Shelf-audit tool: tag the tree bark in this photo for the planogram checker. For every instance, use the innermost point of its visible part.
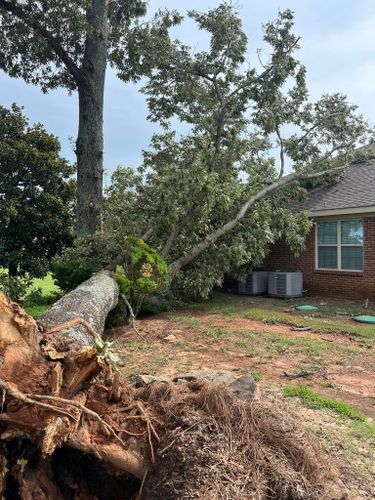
(89, 148)
(91, 301)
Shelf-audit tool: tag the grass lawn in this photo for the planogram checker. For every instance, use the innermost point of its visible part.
(48, 288)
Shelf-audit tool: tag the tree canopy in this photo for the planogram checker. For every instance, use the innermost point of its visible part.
(214, 199)
(36, 195)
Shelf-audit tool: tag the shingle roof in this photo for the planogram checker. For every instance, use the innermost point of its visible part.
(355, 190)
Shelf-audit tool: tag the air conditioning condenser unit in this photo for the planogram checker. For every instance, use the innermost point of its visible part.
(285, 284)
(255, 284)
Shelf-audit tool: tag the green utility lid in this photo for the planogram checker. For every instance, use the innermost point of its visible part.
(306, 308)
(365, 319)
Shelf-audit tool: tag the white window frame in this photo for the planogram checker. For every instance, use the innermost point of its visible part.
(339, 245)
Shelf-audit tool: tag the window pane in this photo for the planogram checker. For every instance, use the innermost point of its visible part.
(351, 258)
(327, 257)
(352, 232)
(327, 233)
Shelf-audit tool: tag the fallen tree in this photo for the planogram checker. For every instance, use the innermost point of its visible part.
(214, 198)
(70, 427)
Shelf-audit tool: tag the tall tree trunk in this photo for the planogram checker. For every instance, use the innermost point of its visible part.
(89, 148)
(89, 162)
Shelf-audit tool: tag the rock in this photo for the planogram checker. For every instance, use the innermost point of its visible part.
(170, 338)
(216, 377)
(142, 380)
(244, 387)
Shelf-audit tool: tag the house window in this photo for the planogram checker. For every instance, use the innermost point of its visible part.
(339, 245)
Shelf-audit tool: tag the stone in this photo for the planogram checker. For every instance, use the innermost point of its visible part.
(142, 380)
(224, 377)
(170, 338)
(244, 387)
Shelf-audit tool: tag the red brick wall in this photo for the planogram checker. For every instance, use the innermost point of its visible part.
(352, 285)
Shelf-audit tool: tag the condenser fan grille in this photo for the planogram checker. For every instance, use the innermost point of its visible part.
(281, 284)
(285, 284)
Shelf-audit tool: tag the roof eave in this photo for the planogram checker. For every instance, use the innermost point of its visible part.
(342, 211)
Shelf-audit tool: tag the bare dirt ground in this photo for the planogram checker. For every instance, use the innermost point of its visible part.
(334, 357)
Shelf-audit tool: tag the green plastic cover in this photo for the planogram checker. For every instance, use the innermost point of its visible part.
(365, 319)
(306, 308)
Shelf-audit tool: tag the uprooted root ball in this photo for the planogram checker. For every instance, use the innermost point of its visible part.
(219, 447)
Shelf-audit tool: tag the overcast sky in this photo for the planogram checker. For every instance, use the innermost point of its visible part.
(337, 47)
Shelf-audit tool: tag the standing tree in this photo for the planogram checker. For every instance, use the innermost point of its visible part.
(215, 199)
(68, 43)
(36, 195)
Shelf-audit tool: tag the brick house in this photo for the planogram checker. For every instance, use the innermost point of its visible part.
(339, 259)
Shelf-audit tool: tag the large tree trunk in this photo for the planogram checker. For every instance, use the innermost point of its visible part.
(91, 301)
(89, 148)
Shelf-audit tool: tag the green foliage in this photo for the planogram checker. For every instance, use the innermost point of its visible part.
(47, 285)
(70, 273)
(32, 30)
(36, 196)
(245, 129)
(118, 315)
(106, 352)
(35, 297)
(15, 287)
(27, 291)
(143, 273)
(86, 256)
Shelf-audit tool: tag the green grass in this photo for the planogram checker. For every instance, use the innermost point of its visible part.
(49, 289)
(216, 332)
(149, 365)
(220, 303)
(228, 303)
(267, 344)
(271, 311)
(257, 376)
(185, 320)
(319, 325)
(311, 399)
(36, 311)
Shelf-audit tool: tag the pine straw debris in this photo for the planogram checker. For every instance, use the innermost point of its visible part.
(219, 447)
